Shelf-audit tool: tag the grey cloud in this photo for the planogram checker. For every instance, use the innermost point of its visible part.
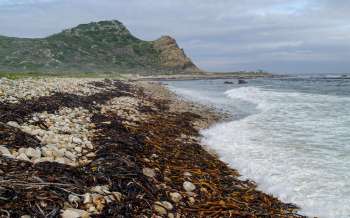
(276, 35)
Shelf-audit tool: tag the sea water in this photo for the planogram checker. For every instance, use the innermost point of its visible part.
(289, 135)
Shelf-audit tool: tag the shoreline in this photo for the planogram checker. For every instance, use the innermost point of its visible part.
(207, 76)
(139, 154)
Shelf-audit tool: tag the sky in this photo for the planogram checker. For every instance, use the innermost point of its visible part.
(279, 36)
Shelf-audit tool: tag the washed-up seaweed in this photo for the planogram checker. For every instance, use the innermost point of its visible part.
(15, 138)
(165, 141)
(19, 112)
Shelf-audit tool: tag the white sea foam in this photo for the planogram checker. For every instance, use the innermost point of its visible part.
(296, 147)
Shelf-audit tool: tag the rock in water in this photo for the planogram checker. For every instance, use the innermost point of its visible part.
(242, 81)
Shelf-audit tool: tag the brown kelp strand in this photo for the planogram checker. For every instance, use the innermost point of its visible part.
(124, 153)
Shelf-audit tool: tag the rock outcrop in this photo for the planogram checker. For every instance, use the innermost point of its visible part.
(172, 56)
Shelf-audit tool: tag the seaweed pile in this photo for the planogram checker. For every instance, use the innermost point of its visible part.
(146, 162)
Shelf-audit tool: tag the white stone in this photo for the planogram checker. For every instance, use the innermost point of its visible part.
(148, 172)
(78, 149)
(33, 153)
(22, 151)
(23, 157)
(91, 154)
(189, 186)
(87, 198)
(5, 151)
(101, 189)
(60, 160)
(175, 197)
(13, 124)
(73, 198)
(89, 145)
(167, 205)
(47, 152)
(187, 174)
(77, 140)
(70, 155)
(74, 213)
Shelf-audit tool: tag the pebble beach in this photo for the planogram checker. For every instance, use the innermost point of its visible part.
(109, 148)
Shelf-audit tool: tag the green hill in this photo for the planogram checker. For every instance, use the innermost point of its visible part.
(105, 46)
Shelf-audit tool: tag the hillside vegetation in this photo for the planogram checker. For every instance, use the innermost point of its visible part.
(102, 47)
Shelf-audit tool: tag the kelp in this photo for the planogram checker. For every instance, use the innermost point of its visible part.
(166, 142)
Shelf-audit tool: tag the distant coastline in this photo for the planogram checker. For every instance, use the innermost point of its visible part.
(204, 76)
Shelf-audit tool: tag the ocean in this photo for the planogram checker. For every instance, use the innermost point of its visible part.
(290, 135)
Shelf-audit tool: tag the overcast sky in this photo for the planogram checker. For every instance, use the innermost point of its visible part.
(281, 36)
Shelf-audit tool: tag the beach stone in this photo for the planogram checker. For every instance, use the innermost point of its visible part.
(148, 172)
(4, 151)
(33, 153)
(25, 216)
(175, 197)
(22, 151)
(60, 160)
(13, 124)
(191, 200)
(87, 198)
(91, 154)
(160, 209)
(171, 215)
(47, 152)
(78, 149)
(76, 140)
(187, 174)
(73, 198)
(74, 213)
(89, 145)
(70, 155)
(23, 157)
(167, 205)
(189, 186)
(101, 189)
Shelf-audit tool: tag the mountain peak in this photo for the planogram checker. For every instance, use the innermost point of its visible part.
(112, 26)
